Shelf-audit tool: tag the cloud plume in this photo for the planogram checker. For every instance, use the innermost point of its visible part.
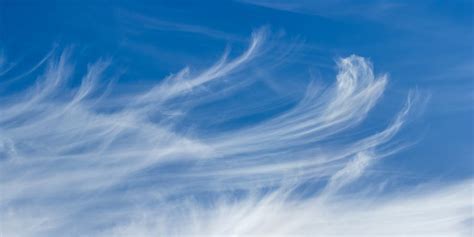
(71, 164)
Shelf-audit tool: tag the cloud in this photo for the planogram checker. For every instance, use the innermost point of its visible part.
(374, 10)
(427, 212)
(72, 165)
(151, 23)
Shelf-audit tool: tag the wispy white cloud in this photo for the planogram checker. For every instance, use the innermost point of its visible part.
(181, 83)
(151, 23)
(67, 165)
(4, 65)
(426, 212)
(333, 9)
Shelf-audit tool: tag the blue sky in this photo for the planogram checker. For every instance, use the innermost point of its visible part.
(237, 112)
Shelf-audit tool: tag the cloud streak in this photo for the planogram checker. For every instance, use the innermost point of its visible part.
(70, 165)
